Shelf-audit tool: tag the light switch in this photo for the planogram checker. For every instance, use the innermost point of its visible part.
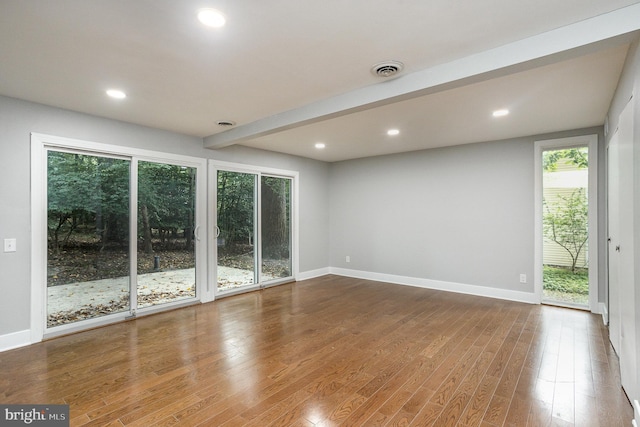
(9, 245)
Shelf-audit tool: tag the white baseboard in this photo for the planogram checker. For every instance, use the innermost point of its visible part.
(312, 274)
(604, 312)
(460, 288)
(15, 340)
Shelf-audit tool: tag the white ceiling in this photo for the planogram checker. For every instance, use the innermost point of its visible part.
(295, 72)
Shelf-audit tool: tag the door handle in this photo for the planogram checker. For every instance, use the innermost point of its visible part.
(217, 231)
(618, 248)
(195, 233)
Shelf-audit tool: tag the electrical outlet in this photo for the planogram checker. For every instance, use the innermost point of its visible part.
(9, 245)
(523, 278)
(347, 259)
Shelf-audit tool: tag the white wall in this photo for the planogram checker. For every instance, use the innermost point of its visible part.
(453, 216)
(19, 118)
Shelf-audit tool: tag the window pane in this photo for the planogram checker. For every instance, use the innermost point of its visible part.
(88, 237)
(166, 247)
(565, 226)
(236, 214)
(276, 227)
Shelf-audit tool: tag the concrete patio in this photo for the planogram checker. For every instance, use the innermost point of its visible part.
(172, 284)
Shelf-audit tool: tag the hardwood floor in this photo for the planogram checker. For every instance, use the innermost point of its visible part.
(332, 351)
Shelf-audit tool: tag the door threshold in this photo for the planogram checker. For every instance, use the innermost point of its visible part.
(566, 305)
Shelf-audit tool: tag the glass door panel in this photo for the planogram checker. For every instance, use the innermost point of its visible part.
(166, 246)
(565, 246)
(236, 226)
(276, 227)
(88, 237)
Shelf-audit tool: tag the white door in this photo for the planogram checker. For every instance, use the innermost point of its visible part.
(621, 289)
(613, 237)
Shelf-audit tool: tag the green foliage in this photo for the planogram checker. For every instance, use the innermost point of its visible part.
(236, 200)
(86, 192)
(276, 199)
(566, 223)
(576, 156)
(91, 193)
(70, 182)
(166, 195)
(563, 280)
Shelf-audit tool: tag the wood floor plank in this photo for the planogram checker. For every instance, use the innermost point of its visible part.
(497, 410)
(203, 410)
(477, 406)
(456, 406)
(521, 402)
(539, 413)
(331, 351)
(162, 413)
(586, 412)
(427, 415)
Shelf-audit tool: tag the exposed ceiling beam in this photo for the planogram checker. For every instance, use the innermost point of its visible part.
(555, 45)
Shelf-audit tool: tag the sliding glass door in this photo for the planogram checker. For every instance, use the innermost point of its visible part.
(116, 232)
(166, 249)
(276, 227)
(253, 229)
(88, 258)
(236, 230)
(121, 233)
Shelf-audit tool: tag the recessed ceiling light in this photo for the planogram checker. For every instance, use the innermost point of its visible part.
(320, 145)
(500, 113)
(211, 18)
(393, 132)
(115, 93)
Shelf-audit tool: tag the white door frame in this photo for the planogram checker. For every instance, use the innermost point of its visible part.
(591, 141)
(259, 171)
(40, 144)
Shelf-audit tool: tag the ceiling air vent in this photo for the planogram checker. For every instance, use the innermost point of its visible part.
(387, 69)
(225, 123)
